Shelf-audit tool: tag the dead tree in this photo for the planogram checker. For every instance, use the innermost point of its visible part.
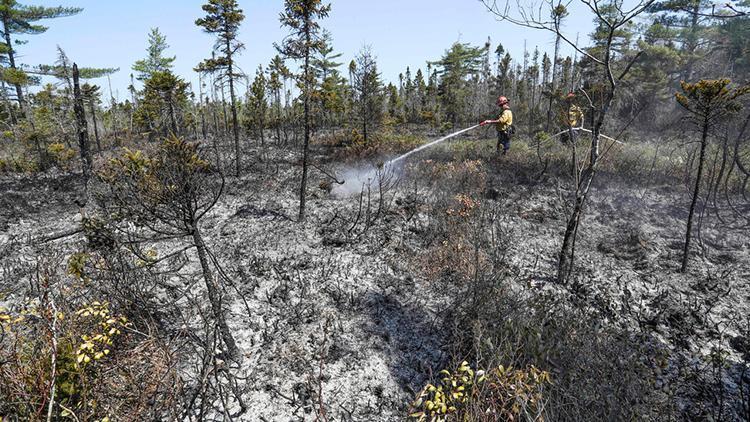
(81, 125)
(540, 15)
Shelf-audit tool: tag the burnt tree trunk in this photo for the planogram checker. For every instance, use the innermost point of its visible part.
(554, 77)
(113, 111)
(696, 193)
(278, 118)
(81, 125)
(567, 252)
(306, 147)
(201, 108)
(235, 124)
(214, 296)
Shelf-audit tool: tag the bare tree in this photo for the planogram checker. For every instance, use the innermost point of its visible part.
(612, 16)
(81, 124)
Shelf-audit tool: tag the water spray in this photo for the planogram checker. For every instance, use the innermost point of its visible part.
(425, 146)
(356, 179)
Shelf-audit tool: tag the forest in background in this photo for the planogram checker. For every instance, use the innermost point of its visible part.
(138, 275)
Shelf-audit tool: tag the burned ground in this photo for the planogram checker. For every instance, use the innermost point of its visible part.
(354, 310)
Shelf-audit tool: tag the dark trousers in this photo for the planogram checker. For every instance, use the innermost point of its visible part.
(503, 138)
(565, 137)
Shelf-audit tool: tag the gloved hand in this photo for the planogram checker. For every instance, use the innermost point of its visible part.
(486, 122)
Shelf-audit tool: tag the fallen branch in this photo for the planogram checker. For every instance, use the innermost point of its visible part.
(58, 235)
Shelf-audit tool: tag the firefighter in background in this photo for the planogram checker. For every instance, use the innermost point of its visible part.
(572, 118)
(504, 124)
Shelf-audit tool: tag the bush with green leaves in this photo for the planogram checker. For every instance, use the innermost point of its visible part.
(500, 393)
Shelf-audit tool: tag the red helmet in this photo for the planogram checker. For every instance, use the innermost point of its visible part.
(502, 100)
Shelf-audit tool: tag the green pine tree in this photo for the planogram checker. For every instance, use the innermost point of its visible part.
(257, 105)
(223, 19)
(458, 63)
(368, 93)
(155, 61)
(20, 20)
(306, 39)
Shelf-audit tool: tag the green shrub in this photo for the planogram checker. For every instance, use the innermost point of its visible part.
(497, 394)
(18, 165)
(60, 154)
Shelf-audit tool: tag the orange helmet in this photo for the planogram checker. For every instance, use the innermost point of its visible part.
(502, 100)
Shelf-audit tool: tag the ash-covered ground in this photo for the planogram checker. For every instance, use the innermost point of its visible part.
(339, 311)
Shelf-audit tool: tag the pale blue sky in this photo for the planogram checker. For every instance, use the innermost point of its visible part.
(113, 33)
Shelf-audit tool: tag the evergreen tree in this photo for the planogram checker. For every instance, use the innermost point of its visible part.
(408, 96)
(690, 21)
(330, 91)
(19, 19)
(532, 74)
(155, 61)
(420, 95)
(431, 96)
(303, 43)
(656, 74)
(734, 42)
(458, 63)
(278, 74)
(504, 67)
(394, 104)
(368, 93)
(558, 14)
(257, 105)
(707, 103)
(324, 63)
(165, 96)
(92, 96)
(223, 19)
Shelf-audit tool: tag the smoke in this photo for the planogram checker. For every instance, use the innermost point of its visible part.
(358, 179)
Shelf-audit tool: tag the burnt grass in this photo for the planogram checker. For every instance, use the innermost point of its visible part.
(345, 311)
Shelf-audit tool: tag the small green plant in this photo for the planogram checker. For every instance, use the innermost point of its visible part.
(98, 344)
(18, 165)
(435, 402)
(60, 154)
(446, 126)
(77, 265)
(502, 393)
(82, 338)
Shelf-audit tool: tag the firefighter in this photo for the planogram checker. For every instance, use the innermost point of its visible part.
(504, 124)
(572, 118)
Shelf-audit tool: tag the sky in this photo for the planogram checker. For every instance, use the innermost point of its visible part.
(112, 33)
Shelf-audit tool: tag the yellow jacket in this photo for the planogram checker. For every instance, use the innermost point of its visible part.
(575, 116)
(505, 120)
